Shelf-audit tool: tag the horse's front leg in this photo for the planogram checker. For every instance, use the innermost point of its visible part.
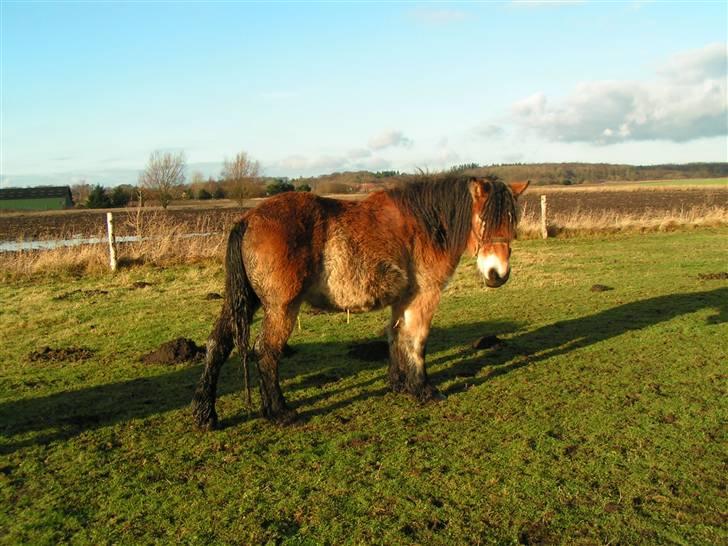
(408, 334)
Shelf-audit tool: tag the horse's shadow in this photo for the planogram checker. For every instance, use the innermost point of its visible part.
(66, 414)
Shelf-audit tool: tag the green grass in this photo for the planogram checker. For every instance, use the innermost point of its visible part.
(601, 420)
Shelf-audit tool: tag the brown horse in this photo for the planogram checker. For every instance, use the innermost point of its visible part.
(397, 247)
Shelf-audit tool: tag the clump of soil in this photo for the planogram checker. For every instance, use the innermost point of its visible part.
(81, 293)
(175, 351)
(66, 354)
(213, 296)
(722, 276)
(487, 342)
(140, 284)
(369, 351)
(600, 288)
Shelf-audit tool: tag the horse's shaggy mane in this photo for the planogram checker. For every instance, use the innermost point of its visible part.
(442, 203)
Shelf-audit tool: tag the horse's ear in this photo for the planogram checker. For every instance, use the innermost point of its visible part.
(519, 187)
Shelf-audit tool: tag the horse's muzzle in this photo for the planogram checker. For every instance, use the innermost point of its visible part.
(493, 280)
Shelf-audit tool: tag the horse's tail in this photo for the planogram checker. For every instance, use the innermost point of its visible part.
(240, 298)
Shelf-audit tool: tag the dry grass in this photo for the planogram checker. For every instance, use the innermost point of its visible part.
(584, 223)
(166, 242)
(162, 241)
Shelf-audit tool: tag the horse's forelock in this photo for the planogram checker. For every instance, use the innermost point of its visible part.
(499, 215)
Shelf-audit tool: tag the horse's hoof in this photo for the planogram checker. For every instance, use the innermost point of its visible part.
(397, 386)
(207, 425)
(430, 394)
(205, 420)
(284, 417)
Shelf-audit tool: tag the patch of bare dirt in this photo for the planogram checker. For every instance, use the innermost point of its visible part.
(213, 296)
(65, 354)
(175, 352)
(601, 288)
(369, 351)
(136, 285)
(722, 276)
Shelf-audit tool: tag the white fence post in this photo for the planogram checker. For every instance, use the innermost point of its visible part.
(112, 240)
(544, 223)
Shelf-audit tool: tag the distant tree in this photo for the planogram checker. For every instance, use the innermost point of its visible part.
(463, 167)
(219, 193)
(164, 174)
(241, 177)
(80, 192)
(204, 194)
(120, 196)
(279, 186)
(303, 187)
(98, 198)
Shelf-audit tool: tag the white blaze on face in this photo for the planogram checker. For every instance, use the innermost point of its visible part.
(491, 261)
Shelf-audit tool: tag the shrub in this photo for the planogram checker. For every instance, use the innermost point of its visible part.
(98, 198)
(279, 186)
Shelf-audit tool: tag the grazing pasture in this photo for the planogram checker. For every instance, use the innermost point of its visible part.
(597, 415)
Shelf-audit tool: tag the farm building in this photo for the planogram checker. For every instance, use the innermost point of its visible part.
(40, 198)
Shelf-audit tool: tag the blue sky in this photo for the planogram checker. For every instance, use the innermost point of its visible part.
(89, 90)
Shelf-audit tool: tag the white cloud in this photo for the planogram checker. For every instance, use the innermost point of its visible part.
(687, 102)
(697, 65)
(301, 164)
(389, 139)
(298, 165)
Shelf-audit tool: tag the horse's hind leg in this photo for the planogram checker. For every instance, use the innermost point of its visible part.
(277, 326)
(219, 345)
(407, 340)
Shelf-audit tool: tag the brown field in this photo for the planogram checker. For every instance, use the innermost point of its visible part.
(202, 216)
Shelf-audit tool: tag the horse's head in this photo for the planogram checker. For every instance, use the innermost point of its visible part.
(493, 226)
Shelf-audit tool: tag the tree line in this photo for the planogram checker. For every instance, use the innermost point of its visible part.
(164, 180)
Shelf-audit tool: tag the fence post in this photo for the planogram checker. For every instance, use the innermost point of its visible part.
(544, 223)
(112, 240)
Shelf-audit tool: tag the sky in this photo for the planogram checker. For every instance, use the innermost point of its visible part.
(90, 89)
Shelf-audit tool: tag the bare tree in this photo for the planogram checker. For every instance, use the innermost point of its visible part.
(80, 192)
(241, 177)
(164, 174)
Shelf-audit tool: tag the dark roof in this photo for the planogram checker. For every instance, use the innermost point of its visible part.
(35, 193)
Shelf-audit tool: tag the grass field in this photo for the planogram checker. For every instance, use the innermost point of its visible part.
(600, 419)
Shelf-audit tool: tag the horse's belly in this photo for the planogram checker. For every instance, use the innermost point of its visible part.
(358, 282)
